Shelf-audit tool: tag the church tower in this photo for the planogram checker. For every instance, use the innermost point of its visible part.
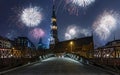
(53, 34)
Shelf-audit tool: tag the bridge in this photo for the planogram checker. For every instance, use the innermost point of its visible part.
(103, 60)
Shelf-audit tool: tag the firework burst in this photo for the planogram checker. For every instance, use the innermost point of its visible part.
(67, 36)
(82, 3)
(31, 16)
(71, 32)
(74, 31)
(105, 24)
(73, 6)
(37, 33)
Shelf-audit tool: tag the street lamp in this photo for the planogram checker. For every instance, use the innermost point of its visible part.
(71, 43)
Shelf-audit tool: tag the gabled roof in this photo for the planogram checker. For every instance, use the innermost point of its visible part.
(4, 38)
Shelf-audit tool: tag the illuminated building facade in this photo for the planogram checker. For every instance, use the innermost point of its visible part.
(110, 50)
(22, 43)
(54, 34)
(5, 43)
(5, 47)
(76, 45)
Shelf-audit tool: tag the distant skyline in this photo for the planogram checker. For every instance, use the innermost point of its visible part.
(71, 23)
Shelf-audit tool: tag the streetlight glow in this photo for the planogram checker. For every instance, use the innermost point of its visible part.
(71, 43)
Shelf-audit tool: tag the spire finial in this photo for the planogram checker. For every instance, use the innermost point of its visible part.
(54, 5)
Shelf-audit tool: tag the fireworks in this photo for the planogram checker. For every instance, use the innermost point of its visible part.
(71, 32)
(105, 24)
(73, 6)
(74, 31)
(37, 33)
(11, 34)
(67, 36)
(85, 32)
(31, 16)
(82, 3)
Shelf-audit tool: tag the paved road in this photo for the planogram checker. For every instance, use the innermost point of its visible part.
(58, 66)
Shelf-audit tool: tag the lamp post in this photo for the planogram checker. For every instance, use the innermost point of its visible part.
(71, 43)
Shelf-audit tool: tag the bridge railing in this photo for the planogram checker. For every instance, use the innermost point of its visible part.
(108, 55)
(10, 58)
(80, 58)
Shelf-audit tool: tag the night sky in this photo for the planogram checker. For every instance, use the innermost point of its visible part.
(82, 19)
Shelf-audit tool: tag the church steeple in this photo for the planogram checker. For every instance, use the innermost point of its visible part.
(53, 12)
(54, 34)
